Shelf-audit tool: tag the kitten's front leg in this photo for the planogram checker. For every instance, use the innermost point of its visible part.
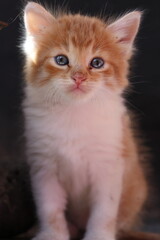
(106, 190)
(50, 202)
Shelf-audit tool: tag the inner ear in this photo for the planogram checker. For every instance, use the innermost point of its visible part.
(125, 29)
(37, 19)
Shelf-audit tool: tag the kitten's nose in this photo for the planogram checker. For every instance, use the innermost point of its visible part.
(79, 77)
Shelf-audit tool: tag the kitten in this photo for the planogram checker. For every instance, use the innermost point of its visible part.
(83, 157)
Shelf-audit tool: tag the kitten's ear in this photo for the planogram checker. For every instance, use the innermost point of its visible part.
(125, 30)
(36, 19)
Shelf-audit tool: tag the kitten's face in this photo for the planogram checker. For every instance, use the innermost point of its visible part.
(79, 61)
(76, 72)
(73, 57)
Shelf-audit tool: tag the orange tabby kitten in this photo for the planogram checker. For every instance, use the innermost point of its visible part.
(81, 150)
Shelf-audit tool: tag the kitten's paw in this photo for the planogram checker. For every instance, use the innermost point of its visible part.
(49, 235)
(99, 236)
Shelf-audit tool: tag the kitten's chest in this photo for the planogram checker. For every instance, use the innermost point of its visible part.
(75, 139)
(87, 128)
(78, 132)
(80, 136)
(85, 138)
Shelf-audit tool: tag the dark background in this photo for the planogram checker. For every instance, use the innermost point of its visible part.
(144, 97)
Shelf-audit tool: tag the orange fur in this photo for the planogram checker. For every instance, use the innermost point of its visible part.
(66, 32)
(135, 186)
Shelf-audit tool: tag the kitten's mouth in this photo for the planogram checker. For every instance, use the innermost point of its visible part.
(77, 88)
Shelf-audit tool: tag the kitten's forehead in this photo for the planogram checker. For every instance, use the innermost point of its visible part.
(82, 31)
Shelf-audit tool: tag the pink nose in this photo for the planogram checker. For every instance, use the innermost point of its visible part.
(79, 77)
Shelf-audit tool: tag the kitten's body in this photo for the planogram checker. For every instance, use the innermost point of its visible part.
(80, 143)
(81, 149)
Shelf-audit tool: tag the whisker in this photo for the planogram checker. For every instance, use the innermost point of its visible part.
(132, 83)
(137, 109)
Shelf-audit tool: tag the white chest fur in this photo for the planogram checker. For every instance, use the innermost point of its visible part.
(74, 137)
(75, 143)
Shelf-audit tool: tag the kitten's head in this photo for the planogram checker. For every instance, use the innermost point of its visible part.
(75, 57)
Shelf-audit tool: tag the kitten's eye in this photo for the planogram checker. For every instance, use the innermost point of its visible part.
(97, 63)
(61, 60)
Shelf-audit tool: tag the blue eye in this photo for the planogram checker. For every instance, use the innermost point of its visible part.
(61, 60)
(97, 63)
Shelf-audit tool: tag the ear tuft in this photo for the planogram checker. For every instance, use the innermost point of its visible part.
(125, 30)
(36, 18)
